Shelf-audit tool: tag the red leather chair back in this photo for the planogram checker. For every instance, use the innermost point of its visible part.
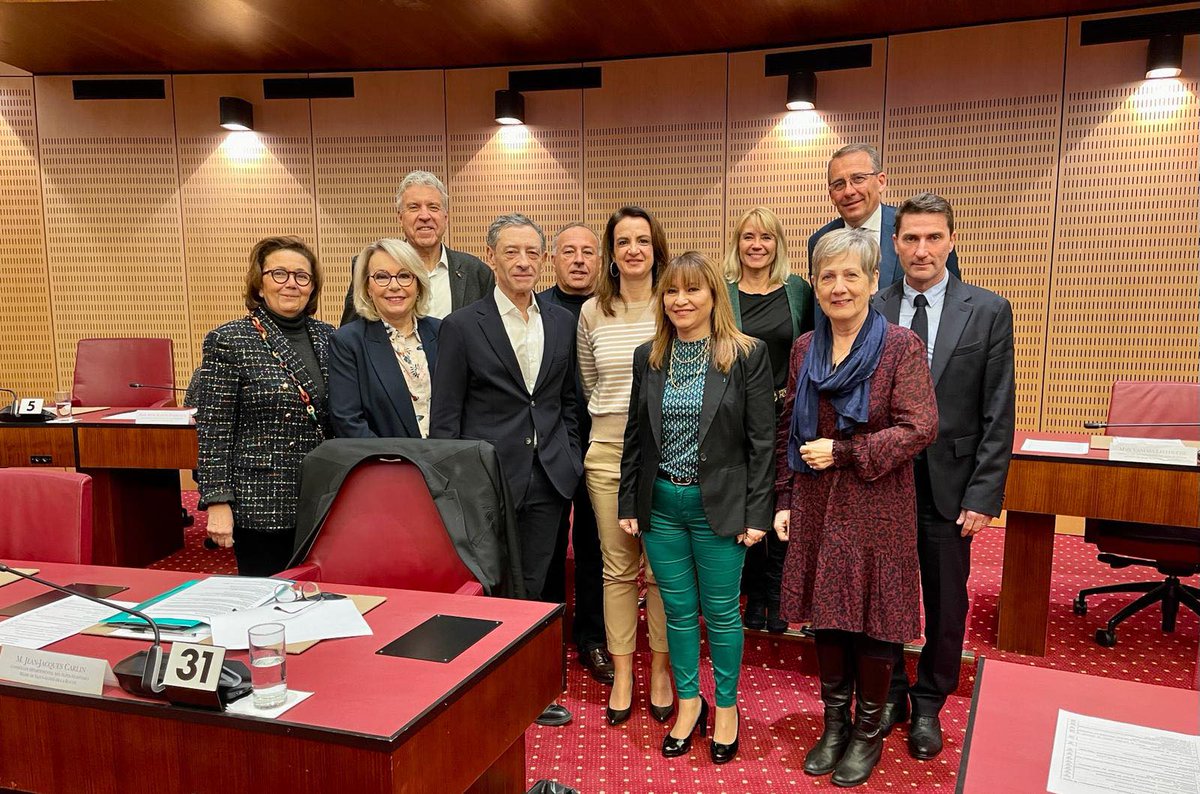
(1155, 402)
(104, 368)
(383, 530)
(45, 516)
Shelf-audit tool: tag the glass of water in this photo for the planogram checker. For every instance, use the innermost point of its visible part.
(268, 665)
(62, 404)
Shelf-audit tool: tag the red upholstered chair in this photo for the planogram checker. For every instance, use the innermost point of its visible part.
(104, 368)
(45, 516)
(383, 530)
(1173, 551)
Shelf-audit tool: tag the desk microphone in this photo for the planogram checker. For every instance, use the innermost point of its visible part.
(149, 659)
(1102, 425)
(9, 413)
(155, 386)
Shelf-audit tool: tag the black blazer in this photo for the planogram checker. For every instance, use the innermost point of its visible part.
(737, 443)
(973, 379)
(470, 280)
(368, 396)
(251, 424)
(479, 393)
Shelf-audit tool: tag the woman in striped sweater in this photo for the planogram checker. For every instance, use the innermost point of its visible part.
(611, 326)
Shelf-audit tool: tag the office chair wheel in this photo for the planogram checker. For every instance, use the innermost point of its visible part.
(1079, 607)
(1106, 638)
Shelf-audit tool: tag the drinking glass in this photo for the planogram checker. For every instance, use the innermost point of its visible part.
(62, 404)
(268, 665)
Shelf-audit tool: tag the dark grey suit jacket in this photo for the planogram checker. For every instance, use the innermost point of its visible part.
(368, 395)
(974, 382)
(470, 280)
(737, 443)
(479, 393)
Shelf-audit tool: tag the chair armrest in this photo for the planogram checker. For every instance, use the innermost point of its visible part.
(470, 588)
(304, 572)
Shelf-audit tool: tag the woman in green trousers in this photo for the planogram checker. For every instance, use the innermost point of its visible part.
(696, 477)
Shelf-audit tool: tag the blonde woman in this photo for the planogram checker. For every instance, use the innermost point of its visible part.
(611, 326)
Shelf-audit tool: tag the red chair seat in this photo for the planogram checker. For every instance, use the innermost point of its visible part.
(45, 516)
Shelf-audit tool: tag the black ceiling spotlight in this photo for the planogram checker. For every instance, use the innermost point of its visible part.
(510, 107)
(1164, 56)
(510, 102)
(236, 113)
(1164, 32)
(800, 68)
(802, 91)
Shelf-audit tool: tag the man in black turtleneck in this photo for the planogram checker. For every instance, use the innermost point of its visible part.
(576, 257)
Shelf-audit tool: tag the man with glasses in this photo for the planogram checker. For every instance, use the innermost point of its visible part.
(456, 278)
(856, 184)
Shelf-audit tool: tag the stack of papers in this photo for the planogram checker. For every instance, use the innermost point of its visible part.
(40, 627)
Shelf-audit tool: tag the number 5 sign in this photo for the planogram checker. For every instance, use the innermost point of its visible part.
(194, 666)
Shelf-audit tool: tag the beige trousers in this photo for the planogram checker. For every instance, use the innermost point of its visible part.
(622, 556)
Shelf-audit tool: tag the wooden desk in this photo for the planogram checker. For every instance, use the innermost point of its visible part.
(135, 478)
(1014, 711)
(1043, 485)
(375, 723)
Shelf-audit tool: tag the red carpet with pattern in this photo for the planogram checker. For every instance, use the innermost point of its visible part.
(781, 710)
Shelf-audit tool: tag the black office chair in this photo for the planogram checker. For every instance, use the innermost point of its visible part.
(1173, 551)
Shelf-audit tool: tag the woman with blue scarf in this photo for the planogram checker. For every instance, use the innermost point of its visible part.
(860, 407)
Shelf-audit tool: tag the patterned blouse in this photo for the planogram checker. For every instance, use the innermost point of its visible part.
(410, 354)
(683, 397)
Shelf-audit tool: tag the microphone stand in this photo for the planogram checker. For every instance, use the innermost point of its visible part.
(153, 656)
(1102, 425)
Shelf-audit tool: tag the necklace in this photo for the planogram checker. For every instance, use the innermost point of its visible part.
(304, 398)
(685, 361)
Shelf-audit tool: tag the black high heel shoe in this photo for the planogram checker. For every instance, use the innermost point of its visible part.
(724, 753)
(617, 716)
(673, 748)
(662, 713)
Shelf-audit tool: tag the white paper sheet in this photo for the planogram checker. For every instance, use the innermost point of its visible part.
(1057, 447)
(159, 416)
(320, 620)
(1098, 756)
(245, 705)
(56, 621)
(216, 595)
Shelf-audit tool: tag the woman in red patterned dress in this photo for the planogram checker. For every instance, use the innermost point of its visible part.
(860, 407)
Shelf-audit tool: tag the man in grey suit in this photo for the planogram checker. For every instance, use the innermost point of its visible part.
(856, 185)
(960, 477)
(456, 279)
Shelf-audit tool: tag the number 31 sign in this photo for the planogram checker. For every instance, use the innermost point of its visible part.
(194, 666)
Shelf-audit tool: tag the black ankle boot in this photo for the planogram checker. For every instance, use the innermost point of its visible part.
(866, 740)
(837, 687)
(756, 615)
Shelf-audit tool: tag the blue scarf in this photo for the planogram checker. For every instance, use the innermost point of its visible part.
(848, 387)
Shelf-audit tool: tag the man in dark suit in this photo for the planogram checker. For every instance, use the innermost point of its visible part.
(960, 477)
(575, 255)
(506, 374)
(856, 184)
(456, 278)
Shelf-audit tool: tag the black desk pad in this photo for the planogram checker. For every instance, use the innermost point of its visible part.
(97, 590)
(440, 639)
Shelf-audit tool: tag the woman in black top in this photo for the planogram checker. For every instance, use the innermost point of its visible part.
(772, 304)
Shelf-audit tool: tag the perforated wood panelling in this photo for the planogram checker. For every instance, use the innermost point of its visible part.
(995, 160)
(520, 169)
(780, 163)
(238, 188)
(676, 171)
(26, 353)
(114, 243)
(357, 177)
(1124, 302)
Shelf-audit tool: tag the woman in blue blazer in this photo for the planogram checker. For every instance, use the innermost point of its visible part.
(381, 365)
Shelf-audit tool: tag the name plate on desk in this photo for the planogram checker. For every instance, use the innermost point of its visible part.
(62, 671)
(1152, 450)
(176, 417)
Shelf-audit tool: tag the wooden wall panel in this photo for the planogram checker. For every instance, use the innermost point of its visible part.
(362, 148)
(26, 331)
(535, 169)
(113, 232)
(654, 135)
(1124, 300)
(973, 115)
(778, 158)
(236, 188)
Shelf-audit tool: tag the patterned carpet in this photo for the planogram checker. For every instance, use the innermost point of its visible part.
(781, 710)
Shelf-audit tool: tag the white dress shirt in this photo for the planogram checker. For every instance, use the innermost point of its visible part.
(936, 295)
(874, 221)
(440, 303)
(528, 337)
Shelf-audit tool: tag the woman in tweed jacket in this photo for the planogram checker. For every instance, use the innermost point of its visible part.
(261, 406)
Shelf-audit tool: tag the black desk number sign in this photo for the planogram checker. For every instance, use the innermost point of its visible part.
(194, 666)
